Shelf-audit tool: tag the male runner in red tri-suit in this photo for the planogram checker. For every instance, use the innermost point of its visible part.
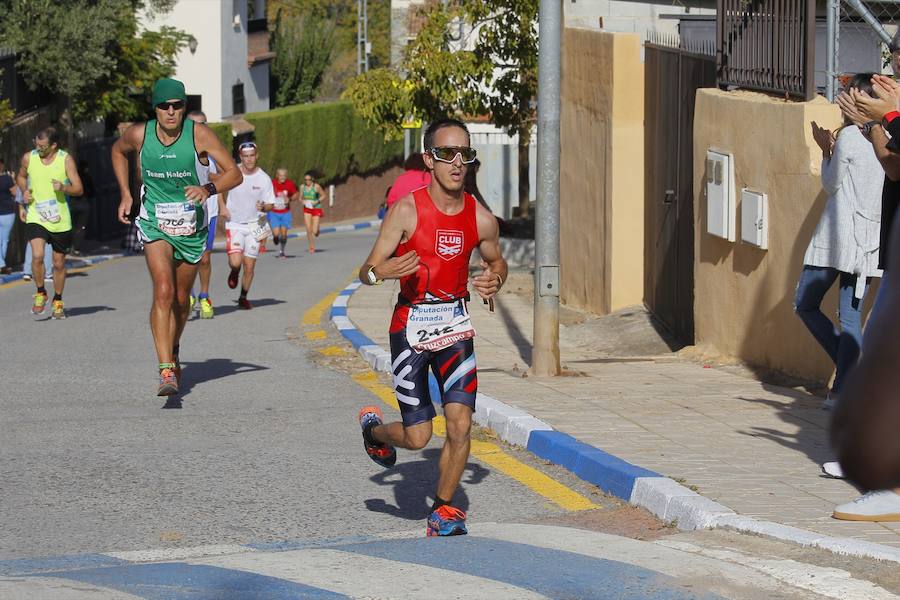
(426, 242)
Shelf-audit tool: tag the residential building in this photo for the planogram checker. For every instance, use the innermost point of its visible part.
(225, 68)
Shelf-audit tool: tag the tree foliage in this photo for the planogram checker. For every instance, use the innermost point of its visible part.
(6, 111)
(471, 58)
(303, 48)
(91, 52)
(342, 14)
(491, 70)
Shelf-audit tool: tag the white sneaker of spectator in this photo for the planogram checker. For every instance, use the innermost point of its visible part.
(833, 469)
(874, 506)
(831, 401)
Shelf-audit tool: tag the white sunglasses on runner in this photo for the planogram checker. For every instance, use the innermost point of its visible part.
(448, 154)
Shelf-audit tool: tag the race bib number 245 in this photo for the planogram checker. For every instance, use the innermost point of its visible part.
(435, 326)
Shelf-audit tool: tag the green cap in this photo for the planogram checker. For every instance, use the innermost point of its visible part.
(168, 89)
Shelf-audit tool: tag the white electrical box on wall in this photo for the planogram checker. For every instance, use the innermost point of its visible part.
(755, 218)
(720, 195)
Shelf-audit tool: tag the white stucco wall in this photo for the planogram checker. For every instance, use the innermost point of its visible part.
(220, 60)
(626, 16)
(233, 51)
(199, 71)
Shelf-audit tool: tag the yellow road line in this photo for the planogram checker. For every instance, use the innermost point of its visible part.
(313, 316)
(333, 351)
(493, 455)
(531, 478)
(369, 380)
(316, 335)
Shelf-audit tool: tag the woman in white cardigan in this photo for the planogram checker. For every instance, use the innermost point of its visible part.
(845, 245)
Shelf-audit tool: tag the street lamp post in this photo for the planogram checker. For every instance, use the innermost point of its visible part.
(546, 253)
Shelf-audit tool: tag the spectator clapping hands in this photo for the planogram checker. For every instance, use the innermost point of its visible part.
(885, 100)
(824, 138)
(850, 109)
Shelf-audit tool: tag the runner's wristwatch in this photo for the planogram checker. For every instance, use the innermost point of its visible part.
(370, 275)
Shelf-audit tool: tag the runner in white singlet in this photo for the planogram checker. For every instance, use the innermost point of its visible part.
(246, 226)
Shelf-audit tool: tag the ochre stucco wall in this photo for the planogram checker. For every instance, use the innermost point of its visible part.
(744, 296)
(601, 170)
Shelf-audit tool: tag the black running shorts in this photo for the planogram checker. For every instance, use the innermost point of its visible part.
(453, 367)
(61, 242)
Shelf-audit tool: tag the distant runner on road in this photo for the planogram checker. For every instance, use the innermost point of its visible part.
(311, 193)
(280, 216)
(426, 242)
(212, 212)
(244, 209)
(174, 155)
(47, 177)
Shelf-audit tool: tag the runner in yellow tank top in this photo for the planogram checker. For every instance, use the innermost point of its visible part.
(47, 177)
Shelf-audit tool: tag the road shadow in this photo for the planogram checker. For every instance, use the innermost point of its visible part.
(262, 302)
(172, 402)
(211, 369)
(523, 346)
(808, 431)
(80, 311)
(414, 484)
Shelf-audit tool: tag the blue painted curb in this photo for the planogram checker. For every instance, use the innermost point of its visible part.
(610, 473)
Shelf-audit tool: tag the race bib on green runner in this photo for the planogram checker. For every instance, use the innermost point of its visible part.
(48, 211)
(261, 229)
(176, 218)
(435, 326)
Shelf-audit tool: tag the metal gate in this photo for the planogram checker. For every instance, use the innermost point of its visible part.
(672, 77)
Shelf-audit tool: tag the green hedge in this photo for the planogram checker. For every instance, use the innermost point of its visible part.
(223, 132)
(328, 138)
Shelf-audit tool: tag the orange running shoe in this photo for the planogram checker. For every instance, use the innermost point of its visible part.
(59, 310)
(168, 382)
(40, 303)
(383, 454)
(446, 520)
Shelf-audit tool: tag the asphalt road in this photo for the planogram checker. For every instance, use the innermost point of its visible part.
(265, 447)
(257, 486)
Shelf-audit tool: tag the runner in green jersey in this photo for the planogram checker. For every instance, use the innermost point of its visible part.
(173, 155)
(311, 193)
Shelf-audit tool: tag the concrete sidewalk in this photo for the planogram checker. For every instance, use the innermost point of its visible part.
(753, 447)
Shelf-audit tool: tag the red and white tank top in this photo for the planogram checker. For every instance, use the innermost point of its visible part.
(444, 244)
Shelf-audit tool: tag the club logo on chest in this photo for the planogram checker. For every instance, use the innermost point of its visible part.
(448, 243)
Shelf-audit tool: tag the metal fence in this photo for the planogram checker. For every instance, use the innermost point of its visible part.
(857, 39)
(767, 45)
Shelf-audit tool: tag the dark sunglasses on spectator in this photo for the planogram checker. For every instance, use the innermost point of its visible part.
(448, 154)
(176, 105)
(246, 145)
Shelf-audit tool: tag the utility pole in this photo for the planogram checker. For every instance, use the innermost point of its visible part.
(363, 47)
(546, 252)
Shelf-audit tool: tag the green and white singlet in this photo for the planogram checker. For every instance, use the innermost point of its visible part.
(165, 213)
(310, 196)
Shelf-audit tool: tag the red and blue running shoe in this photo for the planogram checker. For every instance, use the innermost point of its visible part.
(446, 520)
(384, 455)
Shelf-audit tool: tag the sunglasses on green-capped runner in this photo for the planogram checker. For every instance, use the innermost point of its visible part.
(174, 105)
(448, 154)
